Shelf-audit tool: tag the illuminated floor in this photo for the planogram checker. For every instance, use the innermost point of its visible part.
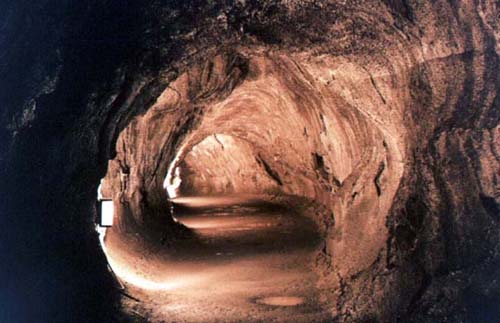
(248, 263)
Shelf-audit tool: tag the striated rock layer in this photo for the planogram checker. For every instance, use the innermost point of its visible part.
(385, 115)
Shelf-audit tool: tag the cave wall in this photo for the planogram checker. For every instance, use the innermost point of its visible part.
(421, 76)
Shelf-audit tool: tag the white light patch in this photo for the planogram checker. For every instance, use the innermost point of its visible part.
(175, 183)
(107, 213)
(173, 179)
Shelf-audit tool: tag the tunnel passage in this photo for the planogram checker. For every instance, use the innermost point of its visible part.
(269, 125)
(343, 102)
(224, 165)
(311, 140)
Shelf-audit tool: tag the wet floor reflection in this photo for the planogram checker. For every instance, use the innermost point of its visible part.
(247, 261)
(245, 228)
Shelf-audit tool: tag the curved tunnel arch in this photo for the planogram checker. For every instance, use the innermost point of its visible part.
(355, 186)
(222, 164)
(406, 193)
(320, 144)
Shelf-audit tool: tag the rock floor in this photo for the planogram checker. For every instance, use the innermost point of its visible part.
(248, 261)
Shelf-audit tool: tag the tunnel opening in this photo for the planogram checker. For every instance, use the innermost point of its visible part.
(218, 182)
(223, 165)
(376, 120)
(220, 171)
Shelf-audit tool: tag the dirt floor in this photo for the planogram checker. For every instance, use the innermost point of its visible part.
(247, 261)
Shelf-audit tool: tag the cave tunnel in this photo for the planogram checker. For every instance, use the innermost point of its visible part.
(255, 161)
(223, 165)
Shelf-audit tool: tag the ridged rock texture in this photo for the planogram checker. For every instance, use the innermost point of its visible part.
(384, 114)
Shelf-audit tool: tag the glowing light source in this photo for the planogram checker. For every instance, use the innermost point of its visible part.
(107, 213)
(175, 183)
(173, 179)
(106, 209)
